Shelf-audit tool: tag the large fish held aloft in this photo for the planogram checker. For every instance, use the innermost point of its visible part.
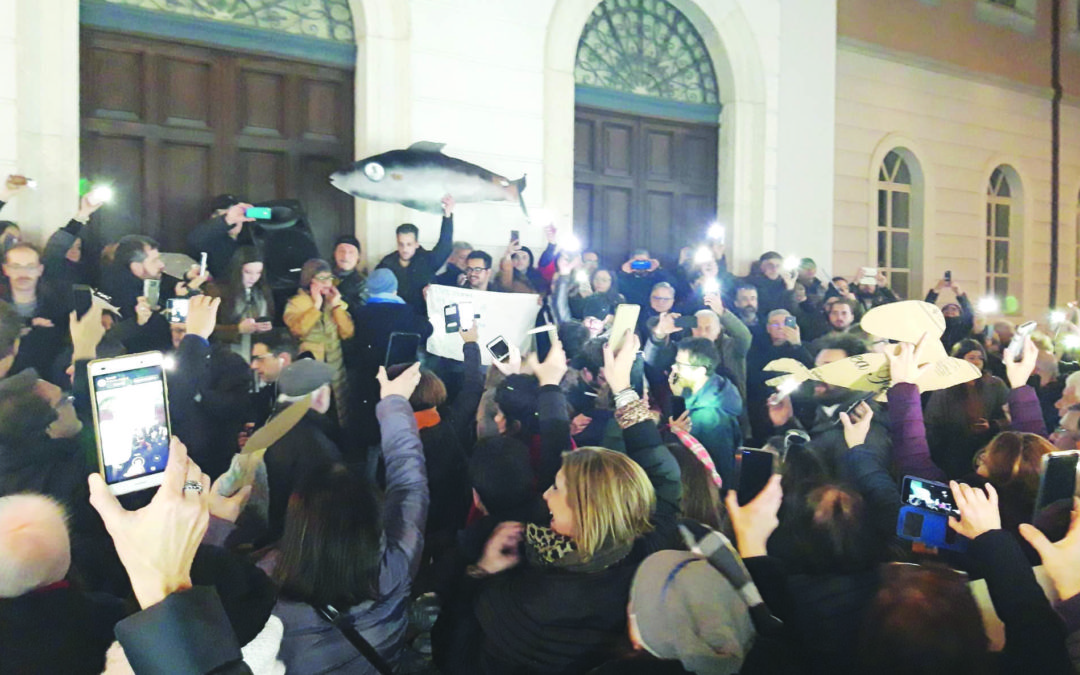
(421, 175)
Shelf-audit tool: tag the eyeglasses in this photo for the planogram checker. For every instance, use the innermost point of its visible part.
(477, 270)
(663, 298)
(324, 277)
(681, 366)
(21, 268)
(63, 401)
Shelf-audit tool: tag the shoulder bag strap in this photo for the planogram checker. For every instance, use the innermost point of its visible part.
(333, 617)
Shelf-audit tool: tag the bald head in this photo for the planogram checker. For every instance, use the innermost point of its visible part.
(34, 541)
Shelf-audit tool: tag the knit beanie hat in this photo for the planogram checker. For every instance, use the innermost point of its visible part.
(382, 281)
(596, 305)
(347, 239)
(686, 609)
(517, 397)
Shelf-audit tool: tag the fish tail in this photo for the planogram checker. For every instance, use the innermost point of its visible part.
(519, 188)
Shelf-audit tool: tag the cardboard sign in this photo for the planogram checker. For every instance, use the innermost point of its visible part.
(905, 321)
(510, 315)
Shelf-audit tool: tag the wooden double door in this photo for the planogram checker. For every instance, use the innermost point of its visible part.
(170, 125)
(642, 182)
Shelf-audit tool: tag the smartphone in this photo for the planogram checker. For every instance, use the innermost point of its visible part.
(452, 317)
(129, 398)
(259, 212)
(948, 276)
(176, 310)
(99, 195)
(402, 349)
(151, 290)
(791, 322)
(465, 315)
(626, 317)
(264, 319)
(499, 349)
(685, 322)
(929, 495)
(202, 264)
(515, 235)
(84, 298)
(640, 264)
(754, 468)
(1057, 485)
(1016, 345)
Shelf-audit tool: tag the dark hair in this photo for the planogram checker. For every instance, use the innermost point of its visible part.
(407, 228)
(591, 357)
(827, 531)
(923, 620)
(573, 335)
(847, 343)
(834, 279)
(700, 496)
(701, 352)
(429, 393)
(26, 246)
(744, 286)
(24, 414)
(277, 341)
(479, 255)
(132, 248)
(834, 301)
(501, 474)
(312, 268)
(11, 325)
(770, 255)
(516, 397)
(640, 251)
(966, 346)
(233, 291)
(331, 547)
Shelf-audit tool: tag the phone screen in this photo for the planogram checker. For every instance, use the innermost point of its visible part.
(755, 469)
(259, 212)
(1057, 485)
(176, 310)
(452, 315)
(500, 351)
(640, 264)
(685, 322)
(626, 317)
(791, 322)
(131, 420)
(1016, 345)
(152, 291)
(402, 349)
(465, 315)
(515, 235)
(926, 494)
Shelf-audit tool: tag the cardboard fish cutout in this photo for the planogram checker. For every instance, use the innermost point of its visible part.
(419, 176)
(902, 321)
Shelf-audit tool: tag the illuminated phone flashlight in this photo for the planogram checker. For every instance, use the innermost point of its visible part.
(1071, 342)
(168, 362)
(1057, 317)
(702, 255)
(100, 195)
(710, 287)
(785, 388)
(570, 243)
(988, 305)
(582, 277)
(791, 263)
(716, 232)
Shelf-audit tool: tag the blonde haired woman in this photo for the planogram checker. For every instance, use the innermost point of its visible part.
(553, 598)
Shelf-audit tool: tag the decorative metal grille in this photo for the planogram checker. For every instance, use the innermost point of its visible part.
(648, 48)
(324, 19)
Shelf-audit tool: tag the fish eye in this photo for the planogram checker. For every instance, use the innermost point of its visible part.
(374, 171)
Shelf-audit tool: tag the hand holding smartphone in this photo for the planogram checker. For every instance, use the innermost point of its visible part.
(129, 398)
(754, 468)
(626, 317)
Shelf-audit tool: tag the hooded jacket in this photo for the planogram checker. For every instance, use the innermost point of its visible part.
(714, 412)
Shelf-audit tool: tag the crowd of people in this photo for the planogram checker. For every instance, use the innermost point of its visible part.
(572, 508)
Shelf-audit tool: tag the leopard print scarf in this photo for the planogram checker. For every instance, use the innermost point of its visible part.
(545, 547)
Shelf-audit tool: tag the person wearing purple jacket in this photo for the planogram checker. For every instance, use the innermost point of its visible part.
(341, 551)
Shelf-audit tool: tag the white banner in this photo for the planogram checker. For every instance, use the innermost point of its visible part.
(510, 315)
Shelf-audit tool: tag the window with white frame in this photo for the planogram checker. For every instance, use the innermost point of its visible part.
(894, 224)
(999, 214)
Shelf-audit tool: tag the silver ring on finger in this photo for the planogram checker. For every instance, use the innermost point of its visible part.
(193, 485)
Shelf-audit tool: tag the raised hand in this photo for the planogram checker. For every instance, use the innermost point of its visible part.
(403, 385)
(1020, 371)
(552, 370)
(1061, 559)
(755, 522)
(857, 429)
(904, 362)
(978, 510)
(617, 366)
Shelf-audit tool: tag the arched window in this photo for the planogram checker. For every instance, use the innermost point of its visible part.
(895, 223)
(645, 48)
(1000, 212)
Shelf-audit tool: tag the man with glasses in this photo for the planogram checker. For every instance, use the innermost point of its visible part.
(42, 312)
(713, 404)
(270, 354)
(478, 271)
